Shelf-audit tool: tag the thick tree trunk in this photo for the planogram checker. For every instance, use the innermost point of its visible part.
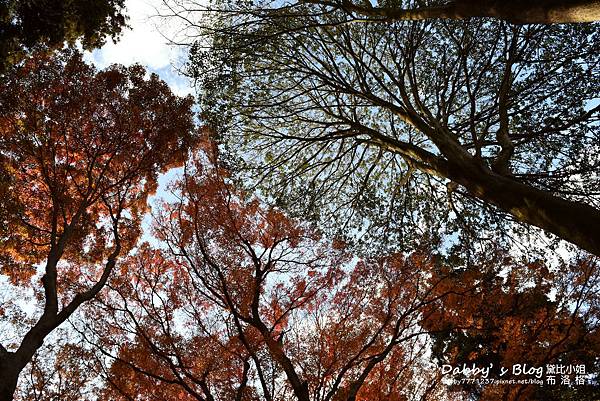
(571, 221)
(531, 11)
(9, 375)
(12, 363)
(575, 222)
(515, 11)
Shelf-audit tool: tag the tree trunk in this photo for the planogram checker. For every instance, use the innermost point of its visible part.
(299, 386)
(515, 11)
(9, 375)
(531, 11)
(572, 221)
(12, 363)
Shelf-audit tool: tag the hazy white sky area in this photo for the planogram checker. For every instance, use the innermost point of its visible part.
(144, 44)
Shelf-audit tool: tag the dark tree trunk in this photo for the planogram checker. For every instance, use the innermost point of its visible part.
(12, 363)
(531, 11)
(572, 221)
(9, 375)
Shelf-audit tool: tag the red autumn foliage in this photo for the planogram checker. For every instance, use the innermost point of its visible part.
(80, 151)
(507, 313)
(244, 303)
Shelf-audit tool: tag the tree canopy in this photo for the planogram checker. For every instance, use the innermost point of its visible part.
(25, 24)
(534, 315)
(438, 126)
(283, 313)
(80, 151)
(239, 302)
(376, 197)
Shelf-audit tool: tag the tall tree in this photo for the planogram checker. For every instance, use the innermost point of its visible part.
(80, 152)
(246, 304)
(242, 303)
(25, 24)
(386, 123)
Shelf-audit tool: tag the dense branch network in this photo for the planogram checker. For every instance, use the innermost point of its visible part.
(80, 151)
(343, 112)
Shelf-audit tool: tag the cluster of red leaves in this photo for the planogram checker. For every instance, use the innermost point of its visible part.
(253, 305)
(506, 313)
(80, 152)
(246, 304)
(77, 145)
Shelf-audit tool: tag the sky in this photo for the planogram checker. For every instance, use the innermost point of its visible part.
(145, 43)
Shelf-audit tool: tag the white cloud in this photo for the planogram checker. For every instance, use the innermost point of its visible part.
(144, 44)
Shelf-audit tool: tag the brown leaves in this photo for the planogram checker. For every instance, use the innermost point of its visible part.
(516, 313)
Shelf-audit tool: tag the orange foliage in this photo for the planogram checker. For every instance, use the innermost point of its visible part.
(75, 146)
(246, 304)
(80, 152)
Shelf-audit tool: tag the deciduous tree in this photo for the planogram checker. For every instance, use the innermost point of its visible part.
(246, 304)
(25, 24)
(526, 315)
(235, 301)
(80, 151)
(407, 126)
